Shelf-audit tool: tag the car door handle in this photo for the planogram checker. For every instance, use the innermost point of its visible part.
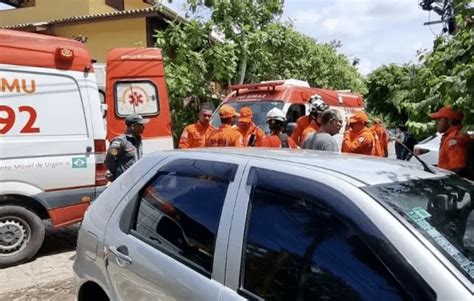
(121, 258)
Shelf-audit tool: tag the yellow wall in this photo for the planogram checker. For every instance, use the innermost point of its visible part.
(136, 4)
(99, 6)
(101, 36)
(47, 10)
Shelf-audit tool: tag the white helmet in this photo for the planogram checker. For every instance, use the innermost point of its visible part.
(317, 104)
(276, 114)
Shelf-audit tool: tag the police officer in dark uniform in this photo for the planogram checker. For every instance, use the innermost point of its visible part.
(126, 149)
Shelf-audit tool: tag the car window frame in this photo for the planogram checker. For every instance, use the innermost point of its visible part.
(350, 215)
(132, 199)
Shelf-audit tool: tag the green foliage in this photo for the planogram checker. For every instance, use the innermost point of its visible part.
(253, 47)
(406, 94)
(279, 52)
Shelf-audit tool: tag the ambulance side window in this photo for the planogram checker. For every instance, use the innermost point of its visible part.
(136, 97)
(295, 111)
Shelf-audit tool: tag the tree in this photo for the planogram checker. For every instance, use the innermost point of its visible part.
(239, 42)
(239, 21)
(445, 77)
(393, 90)
(451, 66)
(280, 52)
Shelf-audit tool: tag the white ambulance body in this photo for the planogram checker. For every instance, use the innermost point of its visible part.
(52, 139)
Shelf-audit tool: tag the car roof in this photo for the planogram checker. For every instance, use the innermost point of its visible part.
(366, 170)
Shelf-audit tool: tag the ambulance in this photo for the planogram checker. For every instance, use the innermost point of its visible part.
(52, 133)
(291, 96)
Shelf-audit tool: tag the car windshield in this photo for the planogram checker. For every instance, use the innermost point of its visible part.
(259, 109)
(441, 210)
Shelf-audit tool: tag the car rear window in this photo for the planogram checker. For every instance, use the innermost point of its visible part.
(259, 108)
(441, 210)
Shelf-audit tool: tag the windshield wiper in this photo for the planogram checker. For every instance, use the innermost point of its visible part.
(425, 166)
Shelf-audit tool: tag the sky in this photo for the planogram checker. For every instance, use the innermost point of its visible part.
(375, 31)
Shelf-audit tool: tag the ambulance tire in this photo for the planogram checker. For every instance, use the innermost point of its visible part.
(21, 235)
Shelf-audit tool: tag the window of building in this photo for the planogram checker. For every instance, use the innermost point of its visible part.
(179, 210)
(117, 4)
(136, 97)
(296, 250)
(19, 3)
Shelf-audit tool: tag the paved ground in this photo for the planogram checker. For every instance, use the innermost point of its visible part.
(49, 276)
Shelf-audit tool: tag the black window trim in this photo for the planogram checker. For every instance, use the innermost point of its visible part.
(148, 81)
(343, 209)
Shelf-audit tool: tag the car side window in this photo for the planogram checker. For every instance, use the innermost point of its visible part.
(296, 250)
(179, 210)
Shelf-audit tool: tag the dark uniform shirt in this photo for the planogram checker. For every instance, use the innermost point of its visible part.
(123, 152)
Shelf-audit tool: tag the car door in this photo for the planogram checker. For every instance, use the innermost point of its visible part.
(297, 238)
(164, 243)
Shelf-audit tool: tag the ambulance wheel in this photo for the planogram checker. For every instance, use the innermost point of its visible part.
(21, 235)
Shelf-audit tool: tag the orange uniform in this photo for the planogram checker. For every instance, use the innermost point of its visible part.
(224, 136)
(252, 130)
(453, 149)
(311, 128)
(301, 124)
(274, 141)
(361, 142)
(195, 135)
(381, 137)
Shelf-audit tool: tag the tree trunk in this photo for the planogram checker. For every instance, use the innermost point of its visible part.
(243, 68)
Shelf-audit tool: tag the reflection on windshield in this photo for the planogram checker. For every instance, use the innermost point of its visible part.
(440, 209)
(259, 108)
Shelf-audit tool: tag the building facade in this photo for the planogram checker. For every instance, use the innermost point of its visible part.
(100, 24)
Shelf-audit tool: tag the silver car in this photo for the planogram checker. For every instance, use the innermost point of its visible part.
(234, 224)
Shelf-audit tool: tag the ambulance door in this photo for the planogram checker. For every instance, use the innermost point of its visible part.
(135, 84)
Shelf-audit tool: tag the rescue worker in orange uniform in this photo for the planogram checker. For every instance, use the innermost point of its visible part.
(381, 137)
(225, 135)
(276, 121)
(453, 148)
(252, 134)
(309, 122)
(195, 135)
(358, 139)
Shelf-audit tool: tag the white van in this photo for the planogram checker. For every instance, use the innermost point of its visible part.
(52, 139)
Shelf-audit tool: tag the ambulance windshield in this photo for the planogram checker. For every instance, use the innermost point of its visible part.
(259, 109)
